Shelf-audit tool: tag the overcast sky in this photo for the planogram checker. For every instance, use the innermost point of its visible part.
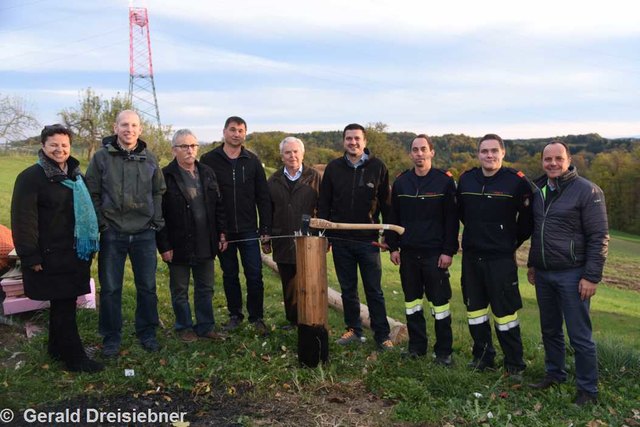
(519, 69)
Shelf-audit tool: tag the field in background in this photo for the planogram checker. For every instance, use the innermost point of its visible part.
(359, 385)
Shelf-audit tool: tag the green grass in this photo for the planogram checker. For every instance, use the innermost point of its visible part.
(419, 392)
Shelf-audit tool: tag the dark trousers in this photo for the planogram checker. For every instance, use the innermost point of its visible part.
(421, 276)
(202, 296)
(493, 282)
(287, 277)
(141, 248)
(558, 299)
(64, 340)
(347, 258)
(252, 265)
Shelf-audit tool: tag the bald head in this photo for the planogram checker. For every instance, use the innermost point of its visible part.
(128, 128)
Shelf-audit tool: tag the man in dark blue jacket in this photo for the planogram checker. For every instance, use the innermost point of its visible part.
(244, 188)
(355, 189)
(568, 251)
(423, 202)
(194, 232)
(495, 208)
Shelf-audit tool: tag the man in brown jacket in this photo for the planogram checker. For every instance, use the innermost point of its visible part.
(294, 192)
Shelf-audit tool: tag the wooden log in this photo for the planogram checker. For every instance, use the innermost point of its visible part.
(311, 280)
(399, 331)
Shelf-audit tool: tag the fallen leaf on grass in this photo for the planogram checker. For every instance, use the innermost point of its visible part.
(45, 366)
(266, 358)
(631, 422)
(231, 390)
(335, 399)
(537, 407)
(504, 395)
(596, 423)
(162, 362)
(201, 388)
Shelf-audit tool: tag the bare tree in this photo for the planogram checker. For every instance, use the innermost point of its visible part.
(15, 119)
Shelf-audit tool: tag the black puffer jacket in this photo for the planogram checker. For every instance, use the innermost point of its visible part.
(572, 230)
(244, 187)
(179, 232)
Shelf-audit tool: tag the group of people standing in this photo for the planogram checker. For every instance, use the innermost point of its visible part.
(191, 211)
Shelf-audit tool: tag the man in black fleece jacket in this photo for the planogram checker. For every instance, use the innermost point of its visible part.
(355, 189)
(244, 188)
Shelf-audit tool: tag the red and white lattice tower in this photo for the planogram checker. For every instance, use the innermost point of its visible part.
(142, 89)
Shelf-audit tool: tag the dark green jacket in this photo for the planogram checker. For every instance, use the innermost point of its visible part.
(126, 188)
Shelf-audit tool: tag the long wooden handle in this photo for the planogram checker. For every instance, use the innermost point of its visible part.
(324, 224)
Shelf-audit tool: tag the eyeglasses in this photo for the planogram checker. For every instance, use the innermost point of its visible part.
(185, 147)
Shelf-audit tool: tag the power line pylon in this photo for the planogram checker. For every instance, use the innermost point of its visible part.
(142, 88)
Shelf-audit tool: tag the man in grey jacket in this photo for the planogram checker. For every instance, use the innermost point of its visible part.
(568, 250)
(126, 186)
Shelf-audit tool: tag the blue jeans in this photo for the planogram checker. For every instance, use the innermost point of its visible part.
(114, 248)
(558, 298)
(252, 265)
(347, 257)
(202, 295)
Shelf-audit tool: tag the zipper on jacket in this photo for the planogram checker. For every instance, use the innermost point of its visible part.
(573, 251)
(235, 202)
(545, 211)
(353, 187)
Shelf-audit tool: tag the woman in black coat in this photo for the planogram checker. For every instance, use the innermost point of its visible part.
(55, 233)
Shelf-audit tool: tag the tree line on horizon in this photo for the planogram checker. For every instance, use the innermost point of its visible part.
(613, 164)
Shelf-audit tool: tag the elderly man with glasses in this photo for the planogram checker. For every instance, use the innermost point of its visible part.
(194, 233)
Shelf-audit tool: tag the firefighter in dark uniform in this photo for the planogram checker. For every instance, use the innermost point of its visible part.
(423, 201)
(495, 208)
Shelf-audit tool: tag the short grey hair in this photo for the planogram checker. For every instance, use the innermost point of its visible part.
(180, 133)
(291, 139)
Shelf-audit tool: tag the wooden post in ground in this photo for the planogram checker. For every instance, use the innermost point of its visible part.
(311, 291)
(399, 333)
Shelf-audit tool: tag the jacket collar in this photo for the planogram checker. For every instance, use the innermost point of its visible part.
(53, 171)
(562, 181)
(111, 142)
(220, 151)
(369, 156)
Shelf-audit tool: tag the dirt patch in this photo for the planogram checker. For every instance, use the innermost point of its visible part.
(209, 404)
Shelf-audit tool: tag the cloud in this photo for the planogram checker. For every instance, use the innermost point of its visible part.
(405, 18)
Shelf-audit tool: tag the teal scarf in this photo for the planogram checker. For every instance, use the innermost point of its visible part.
(86, 230)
